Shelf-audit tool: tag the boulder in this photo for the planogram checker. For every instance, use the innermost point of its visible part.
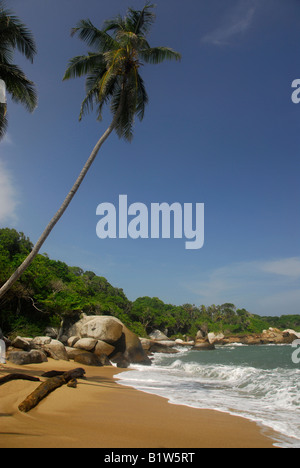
(200, 334)
(121, 361)
(104, 360)
(213, 339)
(130, 345)
(157, 335)
(72, 340)
(203, 346)
(87, 344)
(37, 356)
(180, 342)
(88, 359)
(22, 358)
(40, 341)
(292, 332)
(167, 343)
(51, 332)
(72, 352)
(146, 344)
(104, 328)
(112, 331)
(21, 343)
(103, 348)
(57, 349)
(160, 347)
(74, 330)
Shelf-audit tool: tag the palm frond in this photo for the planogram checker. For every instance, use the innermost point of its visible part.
(114, 78)
(141, 21)
(115, 24)
(157, 55)
(93, 36)
(18, 86)
(14, 33)
(83, 64)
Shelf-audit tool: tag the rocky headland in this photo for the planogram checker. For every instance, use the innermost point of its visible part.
(105, 340)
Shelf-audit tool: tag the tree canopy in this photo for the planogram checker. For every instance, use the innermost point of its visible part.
(14, 35)
(50, 291)
(112, 67)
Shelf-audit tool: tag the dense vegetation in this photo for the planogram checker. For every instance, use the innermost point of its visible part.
(50, 291)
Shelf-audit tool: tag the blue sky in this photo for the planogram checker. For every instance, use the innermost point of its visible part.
(220, 129)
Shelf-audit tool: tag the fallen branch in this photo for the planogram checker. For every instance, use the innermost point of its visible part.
(10, 377)
(53, 373)
(48, 387)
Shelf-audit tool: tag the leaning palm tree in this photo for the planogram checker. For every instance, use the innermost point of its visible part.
(14, 35)
(112, 76)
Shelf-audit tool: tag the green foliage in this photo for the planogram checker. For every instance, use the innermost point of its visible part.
(50, 291)
(14, 35)
(112, 67)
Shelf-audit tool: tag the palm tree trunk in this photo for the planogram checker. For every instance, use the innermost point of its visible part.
(16, 275)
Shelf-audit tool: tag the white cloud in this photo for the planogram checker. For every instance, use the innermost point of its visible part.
(285, 267)
(8, 196)
(237, 22)
(6, 140)
(262, 287)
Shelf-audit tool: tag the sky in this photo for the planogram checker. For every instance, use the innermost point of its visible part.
(220, 129)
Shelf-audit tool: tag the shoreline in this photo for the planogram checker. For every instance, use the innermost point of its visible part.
(101, 413)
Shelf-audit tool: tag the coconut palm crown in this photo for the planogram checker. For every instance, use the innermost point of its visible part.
(112, 76)
(112, 69)
(14, 35)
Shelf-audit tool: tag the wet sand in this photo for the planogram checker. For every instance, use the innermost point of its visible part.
(100, 413)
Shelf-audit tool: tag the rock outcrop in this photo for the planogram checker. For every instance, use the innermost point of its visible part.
(94, 340)
(102, 340)
(270, 336)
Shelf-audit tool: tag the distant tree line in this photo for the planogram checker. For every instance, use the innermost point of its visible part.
(51, 291)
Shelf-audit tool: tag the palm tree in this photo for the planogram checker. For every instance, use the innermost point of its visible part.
(14, 35)
(112, 76)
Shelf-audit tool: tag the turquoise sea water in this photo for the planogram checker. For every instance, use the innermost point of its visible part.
(260, 383)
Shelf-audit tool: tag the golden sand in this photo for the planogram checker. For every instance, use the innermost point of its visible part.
(100, 413)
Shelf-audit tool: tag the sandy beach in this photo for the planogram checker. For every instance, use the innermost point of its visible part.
(100, 413)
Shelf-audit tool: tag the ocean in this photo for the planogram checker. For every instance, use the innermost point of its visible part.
(259, 383)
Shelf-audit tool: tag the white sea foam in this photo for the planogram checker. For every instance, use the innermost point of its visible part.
(230, 381)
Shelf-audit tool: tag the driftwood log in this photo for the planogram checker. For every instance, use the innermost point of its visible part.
(9, 378)
(48, 387)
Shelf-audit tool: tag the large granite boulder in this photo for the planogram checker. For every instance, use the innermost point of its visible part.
(99, 327)
(130, 345)
(111, 331)
(103, 328)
